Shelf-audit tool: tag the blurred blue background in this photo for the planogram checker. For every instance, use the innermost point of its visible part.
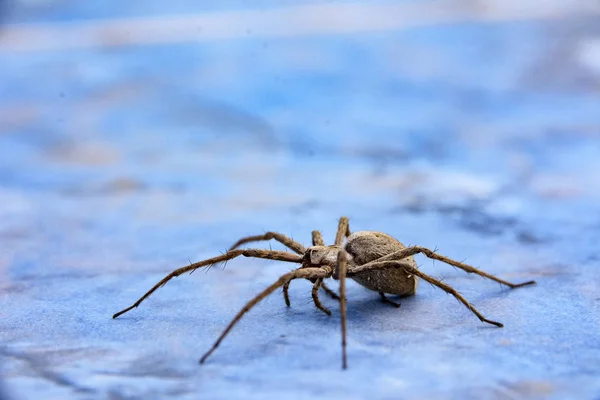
(137, 136)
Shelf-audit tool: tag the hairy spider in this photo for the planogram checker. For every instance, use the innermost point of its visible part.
(373, 259)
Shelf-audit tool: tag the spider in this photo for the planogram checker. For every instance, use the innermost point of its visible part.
(375, 260)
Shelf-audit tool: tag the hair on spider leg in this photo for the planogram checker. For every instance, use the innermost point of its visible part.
(307, 301)
(221, 264)
(462, 262)
(375, 260)
(208, 268)
(192, 271)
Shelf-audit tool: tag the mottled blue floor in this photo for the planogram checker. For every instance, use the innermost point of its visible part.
(121, 163)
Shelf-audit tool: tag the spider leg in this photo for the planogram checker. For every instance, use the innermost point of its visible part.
(286, 241)
(330, 292)
(257, 253)
(315, 296)
(286, 295)
(307, 273)
(382, 265)
(341, 273)
(388, 301)
(410, 251)
(317, 239)
(343, 230)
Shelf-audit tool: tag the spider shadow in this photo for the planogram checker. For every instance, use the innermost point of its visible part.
(362, 306)
(369, 306)
(366, 307)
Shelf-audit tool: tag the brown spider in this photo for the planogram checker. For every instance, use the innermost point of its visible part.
(373, 259)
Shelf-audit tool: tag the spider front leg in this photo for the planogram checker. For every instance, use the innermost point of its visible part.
(257, 253)
(342, 231)
(306, 273)
(286, 241)
(315, 296)
(317, 240)
(382, 265)
(340, 272)
(411, 251)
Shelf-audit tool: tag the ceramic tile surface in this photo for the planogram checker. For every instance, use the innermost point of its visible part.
(472, 128)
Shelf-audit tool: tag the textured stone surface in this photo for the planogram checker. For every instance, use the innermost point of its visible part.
(120, 162)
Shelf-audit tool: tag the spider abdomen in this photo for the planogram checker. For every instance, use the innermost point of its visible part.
(367, 246)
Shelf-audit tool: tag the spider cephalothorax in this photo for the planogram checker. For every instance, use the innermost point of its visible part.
(373, 259)
(317, 256)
